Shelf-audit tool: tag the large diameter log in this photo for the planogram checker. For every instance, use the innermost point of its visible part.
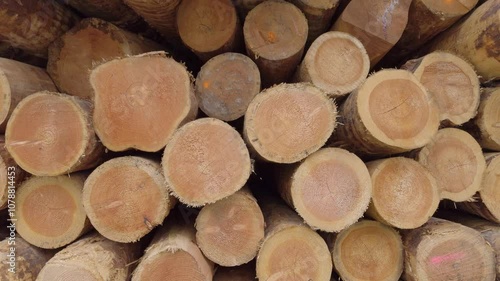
(92, 41)
(244, 272)
(330, 189)
(18, 80)
(92, 258)
(391, 112)
(486, 202)
(367, 250)
(405, 194)
(275, 36)
(50, 212)
(33, 25)
(286, 123)
(140, 101)
(173, 255)
(377, 24)
(50, 134)
(161, 15)
(452, 82)
(226, 84)
(21, 261)
(336, 62)
(209, 27)
(291, 251)
(11, 175)
(442, 250)
(486, 125)
(205, 160)
(476, 40)
(456, 160)
(426, 19)
(319, 15)
(126, 197)
(229, 231)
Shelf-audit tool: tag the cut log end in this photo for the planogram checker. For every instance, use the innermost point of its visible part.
(286, 123)
(489, 205)
(140, 101)
(5, 97)
(405, 194)
(456, 160)
(368, 250)
(48, 134)
(453, 84)
(336, 62)
(205, 160)
(447, 251)
(208, 27)
(126, 197)
(229, 231)
(226, 85)
(488, 119)
(50, 214)
(331, 189)
(294, 254)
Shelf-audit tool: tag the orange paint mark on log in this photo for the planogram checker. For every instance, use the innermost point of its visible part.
(206, 84)
(271, 37)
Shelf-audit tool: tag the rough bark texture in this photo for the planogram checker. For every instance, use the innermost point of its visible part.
(319, 15)
(161, 15)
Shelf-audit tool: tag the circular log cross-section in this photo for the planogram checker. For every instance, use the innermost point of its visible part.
(487, 120)
(50, 212)
(336, 62)
(230, 230)
(50, 134)
(390, 113)
(405, 195)
(226, 85)
(456, 160)
(286, 123)
(330, 189)
(368, 250)
(204, 161)
(126, 197)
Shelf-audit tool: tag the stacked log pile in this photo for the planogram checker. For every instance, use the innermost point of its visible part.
(267, 152)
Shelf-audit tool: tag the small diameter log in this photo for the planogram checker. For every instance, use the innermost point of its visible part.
(319, 15)
(90, 42)
(205, 160)
(336, 62)
(244, 272)
(476, 40)
(405, 194)
(486, 125)
(173, 255)
(50, 134)
(443, 250)
(275, 36)
(291, 251)
(21, 261)
(140, 101)
(486, 203)
(368, 250)
(489, 231)
(126, 197)
(426, 19)
(10, 176)
(18, 80)
(390, 113)
(286, 123)
(92, 258)
(33, 25)
(113, 11)
(377, 24)
(229, 232)
(330, 189)
(50, 212)
(209, 27)
(226, 84)
(452, 82)
(455, 159)
(161, 15)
